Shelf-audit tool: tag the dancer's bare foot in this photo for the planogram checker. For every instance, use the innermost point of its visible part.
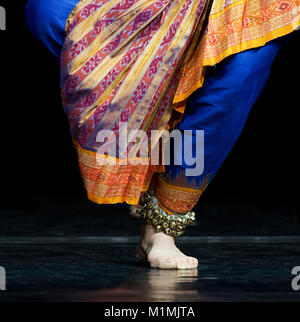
(160, 251)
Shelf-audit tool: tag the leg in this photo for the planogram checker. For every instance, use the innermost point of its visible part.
(220, 108)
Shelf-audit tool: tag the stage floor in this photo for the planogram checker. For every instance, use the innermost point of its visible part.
(105, 269)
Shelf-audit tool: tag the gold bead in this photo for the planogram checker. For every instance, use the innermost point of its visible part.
(167, 231)
(178, 221)
(184, 221)
(179, 233)
(156, 211)
(158, 228)
(165, 224)
(154, 221)
(172, 233)
(168, 218)
(172, 225)
(179, 228)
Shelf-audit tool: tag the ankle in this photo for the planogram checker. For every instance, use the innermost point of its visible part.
(151, 236)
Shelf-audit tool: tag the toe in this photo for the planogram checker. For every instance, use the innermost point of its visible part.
(183, 263)
(187, 263)
(193, 262)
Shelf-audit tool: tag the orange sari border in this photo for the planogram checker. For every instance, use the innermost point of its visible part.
(110, 184)
(234, 28)
(248, 24)
(177, 199)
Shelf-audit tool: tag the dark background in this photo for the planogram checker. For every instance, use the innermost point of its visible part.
(255, 192)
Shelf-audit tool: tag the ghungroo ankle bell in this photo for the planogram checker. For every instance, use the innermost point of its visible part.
(171, 224)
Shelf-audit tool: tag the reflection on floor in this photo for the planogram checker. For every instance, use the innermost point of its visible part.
(106, 270)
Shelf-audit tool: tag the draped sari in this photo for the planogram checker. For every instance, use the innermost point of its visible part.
(137, 61)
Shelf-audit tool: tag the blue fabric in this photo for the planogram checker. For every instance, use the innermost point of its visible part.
(222, 105)
(46, 20)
